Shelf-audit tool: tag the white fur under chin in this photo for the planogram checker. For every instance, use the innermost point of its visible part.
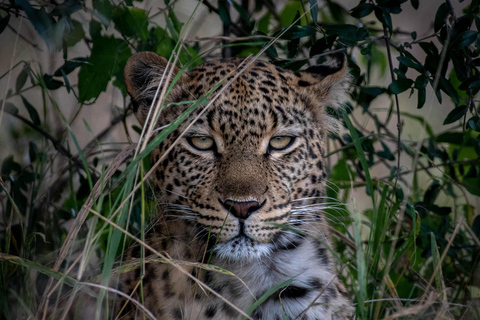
(242, 249)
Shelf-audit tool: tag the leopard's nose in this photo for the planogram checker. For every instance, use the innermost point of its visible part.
(241, 209)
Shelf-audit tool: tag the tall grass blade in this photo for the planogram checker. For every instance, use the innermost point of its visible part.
(268, 294)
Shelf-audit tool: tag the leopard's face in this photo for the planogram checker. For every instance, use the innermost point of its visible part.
(242, 170)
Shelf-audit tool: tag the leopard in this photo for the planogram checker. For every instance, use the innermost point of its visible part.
(240, 187)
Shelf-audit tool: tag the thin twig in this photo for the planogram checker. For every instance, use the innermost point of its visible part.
(227, 38)
(399, 123)
(56, 144)
(11, 68)
(36, 46)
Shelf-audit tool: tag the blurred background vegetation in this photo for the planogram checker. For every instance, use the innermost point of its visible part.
(404, 169)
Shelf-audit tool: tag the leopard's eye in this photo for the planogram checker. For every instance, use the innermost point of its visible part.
(202, 143)
(279, 143)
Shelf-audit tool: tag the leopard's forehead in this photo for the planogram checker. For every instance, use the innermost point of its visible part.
(260, 100)
(254, 77)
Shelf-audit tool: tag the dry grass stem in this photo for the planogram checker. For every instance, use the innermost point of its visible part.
(178, 267)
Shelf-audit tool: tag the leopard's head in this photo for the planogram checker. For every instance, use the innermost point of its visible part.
(253, 158)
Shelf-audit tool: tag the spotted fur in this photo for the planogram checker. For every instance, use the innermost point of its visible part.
(241, 205)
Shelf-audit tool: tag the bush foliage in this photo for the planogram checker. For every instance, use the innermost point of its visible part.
(412, 252)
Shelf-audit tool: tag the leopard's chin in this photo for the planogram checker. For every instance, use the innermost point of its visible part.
(242, 249)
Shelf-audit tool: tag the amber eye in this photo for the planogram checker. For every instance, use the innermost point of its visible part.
(202, 143)
(279, 143)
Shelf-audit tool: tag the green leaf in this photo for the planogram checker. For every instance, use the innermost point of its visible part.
(471, 83)
(421, 97)
(104, 10)
(368, 94)
(474, 123)
(459, 64)
(108, 58)
(293, 45)
(442, 13)
(391, 4)
(289, 11)
(50, 30)
(409, 62)
(336, 11)
(224, 13)
(4, 22)
(67, 82)
(386, 153)
(75, 35)
(314, 10)
(432, 193)
(322, 44)
(70, 65)
(472, 185)
(447, 87)
(243, 13)
(9, 165)
(9, 107)
(464, 39)
(400, 85)
(174, 25)
(131, 22)
(295, 32)
(347, 32)
(31, 111)
(32, 151)
(476, 227)
(95, 29)
(21, 79)
(421, 82)
(342, 171)
(429, 48)
(51, 83)
(441, 211)
(165, 43)
(264, 23)
(362, 10)
(450, 137)
(455, 114)
(384, 17)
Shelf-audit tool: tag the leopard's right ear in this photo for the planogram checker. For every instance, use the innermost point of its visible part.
(143, 73)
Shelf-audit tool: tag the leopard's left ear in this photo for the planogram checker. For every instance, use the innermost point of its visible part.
(143, 73)
(329, 82)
